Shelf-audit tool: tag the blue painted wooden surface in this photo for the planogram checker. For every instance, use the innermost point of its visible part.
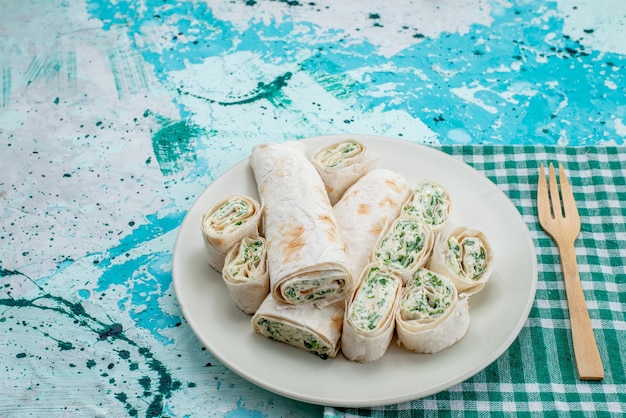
(115, 115)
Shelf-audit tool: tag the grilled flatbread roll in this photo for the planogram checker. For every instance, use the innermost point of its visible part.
(306, 256)
(430, 315)
(369, 320)
(430, 203)
(310, 327)
(340, 165)
(366, 210)
(465, 256)
(405, 247)
(245, 273)
(226, 222)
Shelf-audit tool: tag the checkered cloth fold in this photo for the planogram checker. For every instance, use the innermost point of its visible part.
(536, 376)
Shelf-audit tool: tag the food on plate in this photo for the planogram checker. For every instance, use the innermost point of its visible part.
(306, 256)
(405, 247)
(310, 327)
(430, 314)
(381, 262)
(341, 164)
(429, 202)
(245, 273)
(369, 320)
(464, 255)
(366, 209)
(226, 222)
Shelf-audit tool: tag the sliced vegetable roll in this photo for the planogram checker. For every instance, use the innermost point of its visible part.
(340, 165)
(310, 327)
(366, 210)
(465, 256)
(226, 223)
(430, 315)
(306, 256)
(245, 273)
(369, 321)
(429, 202)
(405, 247)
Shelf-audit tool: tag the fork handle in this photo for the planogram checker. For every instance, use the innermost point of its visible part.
(588, 361)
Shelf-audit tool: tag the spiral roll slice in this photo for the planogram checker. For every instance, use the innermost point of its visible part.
(466, 257)
(430, 203)
(226, 223)
(245, 273)
(340, 165)
(369, 320)
(430, 316)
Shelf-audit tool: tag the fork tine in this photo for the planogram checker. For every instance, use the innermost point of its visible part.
(543, 204)
(554, 194)
(569, 204)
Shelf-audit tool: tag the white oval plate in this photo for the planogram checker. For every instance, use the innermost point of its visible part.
(497, 313)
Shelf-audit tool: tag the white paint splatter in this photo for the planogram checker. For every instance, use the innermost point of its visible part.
(598, 27)
(389, 25)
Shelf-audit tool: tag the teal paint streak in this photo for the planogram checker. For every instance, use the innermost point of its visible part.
(271, 92)
(174, 144)
(128, 72)
(6, 272)
(5, 91)
(330, 77)
(54, 66)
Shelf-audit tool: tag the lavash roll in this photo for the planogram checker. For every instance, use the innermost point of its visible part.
(225, 223)
(340, 165)
(306, 256)
(430, 315)
(366, 210)
(310, 327)
(429, 202)
(405, 246)
(245, 273)
(465, 256)
(369, 320)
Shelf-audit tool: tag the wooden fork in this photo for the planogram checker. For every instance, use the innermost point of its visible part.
(562, 223)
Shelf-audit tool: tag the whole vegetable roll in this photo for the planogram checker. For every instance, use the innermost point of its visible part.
(225, 223)
(340, 165)
(310, 327)
(430, 315)
(463, 255)
(245, 273)
(405, 247)
(430, 203)
(369, 320)
(366, 210)
(306, 256)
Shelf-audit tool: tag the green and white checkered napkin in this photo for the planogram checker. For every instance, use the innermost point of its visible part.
(536, 376)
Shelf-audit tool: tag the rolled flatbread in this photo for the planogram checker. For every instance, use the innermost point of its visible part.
(465, 256)
(405, 247)
(310, 327)
(369, 320)
(366, 210)
(430, 203)
(245, 273)
(306, 256)
(340, 165)
(430, 315)
(226, 223)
